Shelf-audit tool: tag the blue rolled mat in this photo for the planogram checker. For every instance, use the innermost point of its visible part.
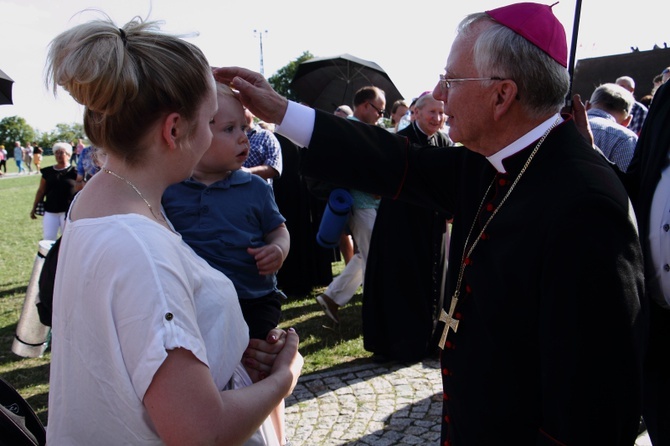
(335, 217)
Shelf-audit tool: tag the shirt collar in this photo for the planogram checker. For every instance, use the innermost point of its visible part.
(497, 158)
(253, 129)
(235, 178)
(416, 124)
(596, 112)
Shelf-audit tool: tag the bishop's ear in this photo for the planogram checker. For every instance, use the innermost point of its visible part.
(506, 94)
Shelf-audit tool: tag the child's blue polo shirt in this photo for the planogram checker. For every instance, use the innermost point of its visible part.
(222, 220)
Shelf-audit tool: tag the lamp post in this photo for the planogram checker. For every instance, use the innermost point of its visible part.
(260, 36)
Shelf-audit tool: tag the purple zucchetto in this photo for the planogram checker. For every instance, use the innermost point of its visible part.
(537, 24)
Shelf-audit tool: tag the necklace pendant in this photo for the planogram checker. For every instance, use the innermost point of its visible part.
(450, 322)
(466, 260)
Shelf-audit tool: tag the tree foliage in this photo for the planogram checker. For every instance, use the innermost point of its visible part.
(281, 80)
(65, 133)
(15, 128)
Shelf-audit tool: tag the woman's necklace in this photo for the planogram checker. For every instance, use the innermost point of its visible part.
(161, 219)
(448, 318)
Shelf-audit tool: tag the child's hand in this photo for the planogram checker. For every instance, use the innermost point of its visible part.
(269, 258)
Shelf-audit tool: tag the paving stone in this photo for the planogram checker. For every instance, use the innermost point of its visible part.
(377, 405)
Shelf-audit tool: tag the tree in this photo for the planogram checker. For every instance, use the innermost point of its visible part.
(64, 133)
(15, 128)
(69, 132)
(281, 80)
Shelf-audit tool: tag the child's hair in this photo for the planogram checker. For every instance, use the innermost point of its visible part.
(127, 78)
(224, 90)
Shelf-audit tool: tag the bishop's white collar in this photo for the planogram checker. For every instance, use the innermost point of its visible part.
(497, 158)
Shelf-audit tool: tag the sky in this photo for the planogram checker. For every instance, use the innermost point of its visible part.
(409, 40)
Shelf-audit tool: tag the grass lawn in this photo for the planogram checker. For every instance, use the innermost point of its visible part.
(323, 345)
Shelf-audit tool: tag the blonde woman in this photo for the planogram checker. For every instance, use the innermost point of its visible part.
(148, 340)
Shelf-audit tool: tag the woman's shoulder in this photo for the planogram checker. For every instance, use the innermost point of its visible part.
(125, 235)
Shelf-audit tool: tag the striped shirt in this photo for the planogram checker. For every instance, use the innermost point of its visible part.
(264, 150)
(616, 141)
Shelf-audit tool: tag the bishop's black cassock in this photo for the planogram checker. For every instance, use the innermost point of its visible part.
(403, 273)
(548, 348)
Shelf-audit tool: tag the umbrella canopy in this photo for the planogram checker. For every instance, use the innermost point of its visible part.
(5, 88)
(328, 82)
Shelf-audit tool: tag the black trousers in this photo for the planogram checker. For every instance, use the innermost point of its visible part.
(262, 314)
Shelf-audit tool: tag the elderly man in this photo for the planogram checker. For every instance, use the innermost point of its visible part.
(544, 330)
(609, 113)
(638, 111)
(403, 279)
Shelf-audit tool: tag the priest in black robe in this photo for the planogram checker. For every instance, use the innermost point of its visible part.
(544, 325)
(405, 265)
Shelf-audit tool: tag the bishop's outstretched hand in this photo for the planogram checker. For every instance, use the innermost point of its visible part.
(255, 93)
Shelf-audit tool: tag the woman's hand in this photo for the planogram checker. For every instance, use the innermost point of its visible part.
(39, 197)
(289, 360)
(260, 355)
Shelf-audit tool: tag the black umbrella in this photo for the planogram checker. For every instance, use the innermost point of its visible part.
(328, 82)
(5, 88)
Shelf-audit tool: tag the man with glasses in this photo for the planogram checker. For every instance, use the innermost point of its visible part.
(542, 325)
(369, 104)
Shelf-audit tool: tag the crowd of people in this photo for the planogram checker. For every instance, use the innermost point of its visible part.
(522, 240)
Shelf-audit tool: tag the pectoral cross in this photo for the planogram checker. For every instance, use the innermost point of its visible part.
(449, 320)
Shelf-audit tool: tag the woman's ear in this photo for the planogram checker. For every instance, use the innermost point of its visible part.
(171, 130)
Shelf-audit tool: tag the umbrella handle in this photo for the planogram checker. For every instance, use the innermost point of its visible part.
(573, 50)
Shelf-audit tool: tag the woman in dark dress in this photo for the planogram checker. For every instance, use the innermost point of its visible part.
(57, 189)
